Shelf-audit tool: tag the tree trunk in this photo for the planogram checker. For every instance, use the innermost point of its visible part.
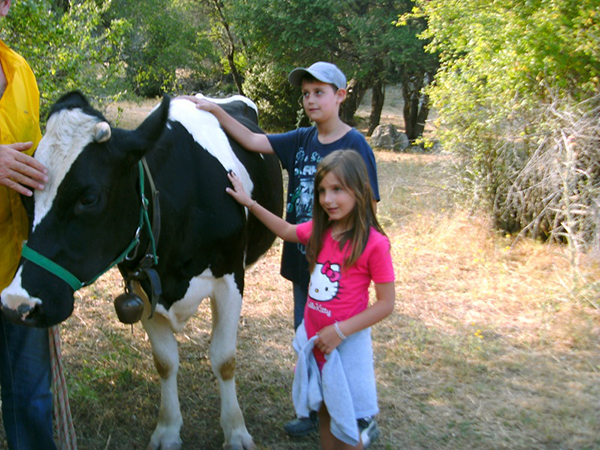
(406, 110)
(416, 104)
(422, 116)
(411, 93)
(356, 92)
(377, 100)
(237, 78)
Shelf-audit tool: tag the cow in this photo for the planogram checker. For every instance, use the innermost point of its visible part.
(152, 201)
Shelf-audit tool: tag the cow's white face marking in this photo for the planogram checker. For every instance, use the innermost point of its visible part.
(68, 132)
(14, 295)
(206, 131)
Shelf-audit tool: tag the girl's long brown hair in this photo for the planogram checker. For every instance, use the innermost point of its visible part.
(349, 168)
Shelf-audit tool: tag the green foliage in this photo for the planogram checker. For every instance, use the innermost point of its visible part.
(108, 48)
(306, 32)
(274, 96)
(66, 50)
(165, 49)
(358, 35)
(503, 65)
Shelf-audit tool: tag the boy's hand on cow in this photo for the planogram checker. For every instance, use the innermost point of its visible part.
(19, 170)
(200, 103)
(238, 192)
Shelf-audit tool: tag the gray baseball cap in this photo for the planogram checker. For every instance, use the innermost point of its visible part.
(322, 71)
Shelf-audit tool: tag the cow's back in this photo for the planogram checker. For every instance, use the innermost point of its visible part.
(190, 163)
(265, 171)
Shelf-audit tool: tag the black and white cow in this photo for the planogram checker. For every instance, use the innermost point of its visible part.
(89, 212)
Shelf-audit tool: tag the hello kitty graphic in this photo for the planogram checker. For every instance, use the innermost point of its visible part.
(324, 282)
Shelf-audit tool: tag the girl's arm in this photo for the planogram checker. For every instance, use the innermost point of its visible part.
(276, 224)
(329, 338)
(255, 142)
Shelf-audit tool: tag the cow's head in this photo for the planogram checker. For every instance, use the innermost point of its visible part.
(88, 212)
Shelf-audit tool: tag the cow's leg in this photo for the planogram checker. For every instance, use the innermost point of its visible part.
(226, 305)
(166, 360)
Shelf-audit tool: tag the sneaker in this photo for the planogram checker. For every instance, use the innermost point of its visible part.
(302, 426)
(369, 431)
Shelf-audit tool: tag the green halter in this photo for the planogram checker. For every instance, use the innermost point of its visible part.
(62, 273)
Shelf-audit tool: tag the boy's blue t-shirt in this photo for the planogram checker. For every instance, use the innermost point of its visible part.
(300, 152)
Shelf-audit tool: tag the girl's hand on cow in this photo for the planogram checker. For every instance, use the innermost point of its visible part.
(327, 340)
(19, 170)
(238, 192)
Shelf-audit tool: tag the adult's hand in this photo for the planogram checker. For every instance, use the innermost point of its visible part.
(19, 171)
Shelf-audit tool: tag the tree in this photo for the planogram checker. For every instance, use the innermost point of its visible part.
(66, 49)
(166, 39)
(223, 35)
(280, 36)
(357, 35)
(392, 54)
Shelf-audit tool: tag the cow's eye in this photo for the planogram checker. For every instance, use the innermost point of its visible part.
(87, 200)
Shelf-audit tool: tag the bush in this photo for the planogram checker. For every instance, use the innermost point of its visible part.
(164, 41)
(556, 190)
(268, 86)
(518, 82)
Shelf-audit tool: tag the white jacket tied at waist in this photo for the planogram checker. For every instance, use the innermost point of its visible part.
(346, 385)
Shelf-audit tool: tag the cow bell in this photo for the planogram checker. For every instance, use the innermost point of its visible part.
(129, 308)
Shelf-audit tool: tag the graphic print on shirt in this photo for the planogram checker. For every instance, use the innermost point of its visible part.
(324, 282)
(301, 200)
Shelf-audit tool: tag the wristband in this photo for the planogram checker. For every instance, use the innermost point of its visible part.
(339, 332)
(251, 205)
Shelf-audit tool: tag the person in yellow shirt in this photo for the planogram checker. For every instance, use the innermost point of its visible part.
(25, 372)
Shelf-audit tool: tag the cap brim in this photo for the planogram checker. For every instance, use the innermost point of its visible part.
(296, 75)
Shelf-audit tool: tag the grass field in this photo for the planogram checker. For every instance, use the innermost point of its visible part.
(488, 347)
(492, 344)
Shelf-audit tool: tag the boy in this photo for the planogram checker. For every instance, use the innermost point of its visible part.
(323, 91)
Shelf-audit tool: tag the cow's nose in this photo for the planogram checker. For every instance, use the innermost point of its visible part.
(21, 316)
(24, 309)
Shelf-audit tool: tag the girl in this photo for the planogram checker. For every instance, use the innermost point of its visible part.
(346, 249)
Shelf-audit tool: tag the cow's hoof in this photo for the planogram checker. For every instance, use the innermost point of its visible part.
(173, 446)
(164, 445)
(242, 441)
(238, 447)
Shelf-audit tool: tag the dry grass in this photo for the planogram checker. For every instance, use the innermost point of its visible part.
(490, 346)
(487, 347)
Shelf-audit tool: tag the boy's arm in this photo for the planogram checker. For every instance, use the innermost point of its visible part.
(276, 224)
(255, 142)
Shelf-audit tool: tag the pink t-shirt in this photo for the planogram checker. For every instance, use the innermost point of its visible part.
(335, 295)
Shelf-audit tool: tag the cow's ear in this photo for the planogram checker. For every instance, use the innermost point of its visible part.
(134, 144)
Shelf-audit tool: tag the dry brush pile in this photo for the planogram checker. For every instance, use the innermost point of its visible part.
(551, 185)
